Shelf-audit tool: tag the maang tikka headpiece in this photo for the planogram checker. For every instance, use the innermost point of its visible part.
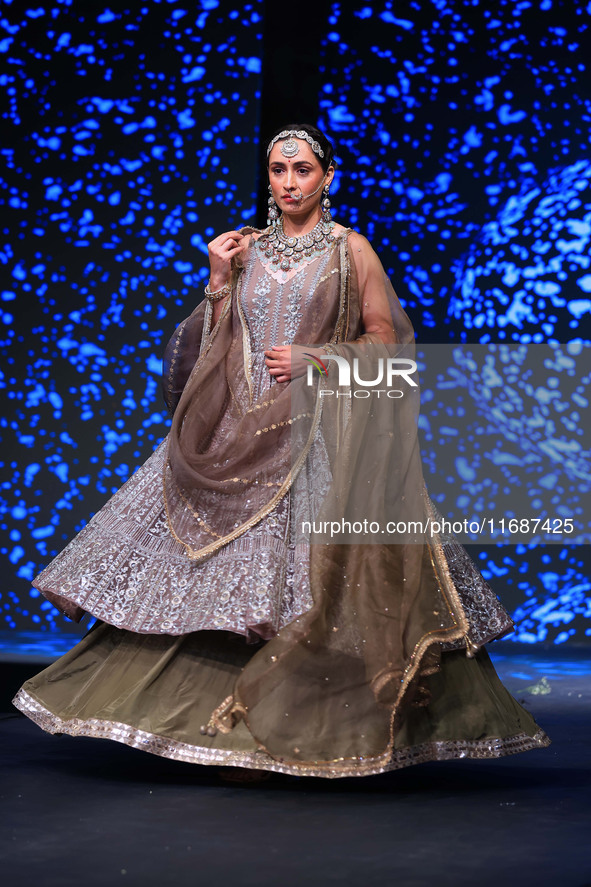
(290, 147)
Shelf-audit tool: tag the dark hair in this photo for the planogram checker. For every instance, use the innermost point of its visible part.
(314, 132)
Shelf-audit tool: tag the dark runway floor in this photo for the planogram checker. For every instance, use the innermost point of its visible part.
(89, 812)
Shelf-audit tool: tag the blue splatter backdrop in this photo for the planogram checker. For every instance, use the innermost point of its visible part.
(130, 139)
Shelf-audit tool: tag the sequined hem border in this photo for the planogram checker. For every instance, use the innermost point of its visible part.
(439, 750)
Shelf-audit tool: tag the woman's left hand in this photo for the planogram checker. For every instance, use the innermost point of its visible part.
(286, 362)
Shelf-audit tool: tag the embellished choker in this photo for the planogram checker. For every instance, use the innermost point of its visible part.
(279, 251)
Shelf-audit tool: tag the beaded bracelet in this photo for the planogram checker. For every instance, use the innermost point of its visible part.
(218, 294)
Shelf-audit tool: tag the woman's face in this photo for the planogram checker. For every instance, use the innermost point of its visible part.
(291, 176)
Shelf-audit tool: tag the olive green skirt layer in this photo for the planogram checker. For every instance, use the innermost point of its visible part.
(156, 692)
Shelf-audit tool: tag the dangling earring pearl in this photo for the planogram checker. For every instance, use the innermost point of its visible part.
(272, 212)
(326, 204)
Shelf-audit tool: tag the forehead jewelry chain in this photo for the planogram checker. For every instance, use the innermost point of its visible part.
(290, 147)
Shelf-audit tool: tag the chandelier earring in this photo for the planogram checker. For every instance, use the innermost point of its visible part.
(326, 204)
(272, 211)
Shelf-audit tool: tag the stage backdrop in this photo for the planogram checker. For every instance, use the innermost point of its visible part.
(130, 138)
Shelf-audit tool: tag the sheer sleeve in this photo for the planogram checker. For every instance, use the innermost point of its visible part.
(182, 352)
(376, 314)
(382, 316)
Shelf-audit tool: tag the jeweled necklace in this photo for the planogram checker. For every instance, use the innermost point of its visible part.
(282, 252)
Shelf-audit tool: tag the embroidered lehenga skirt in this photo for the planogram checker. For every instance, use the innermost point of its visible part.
(174, 636)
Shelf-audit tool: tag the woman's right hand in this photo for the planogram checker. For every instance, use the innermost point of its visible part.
(221, 252)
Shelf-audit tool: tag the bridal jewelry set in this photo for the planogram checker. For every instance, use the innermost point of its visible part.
(289, 252)
(275, 247)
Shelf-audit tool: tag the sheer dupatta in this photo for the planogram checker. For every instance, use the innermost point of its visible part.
(328, 689)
